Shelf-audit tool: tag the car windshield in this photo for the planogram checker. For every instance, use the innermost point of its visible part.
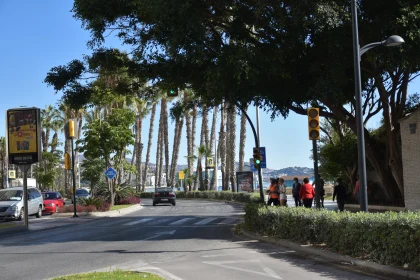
(49, 195)
(10, 195)
(82, 192)
(164, 189)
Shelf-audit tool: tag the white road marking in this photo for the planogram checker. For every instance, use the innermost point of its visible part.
(228, 254)
(169, 276)
(247, 241)
(137, 222)
(228, 221)
(267, 272)
(182, 221)
(160, 234)
(205, 221)
(159, 222)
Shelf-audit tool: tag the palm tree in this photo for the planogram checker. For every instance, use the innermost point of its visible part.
(231, 146)
(190, 143)
(202, 151)
(141, 109)
(213, 184)
(3, 162)
(242, 139)
(176, 113)
(222, 146)
(149, 143)
(47, 116)
(56, 125)
(198, 179)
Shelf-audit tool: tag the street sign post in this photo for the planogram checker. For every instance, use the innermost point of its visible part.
(263, 158)
(181, 175)
(110, 173)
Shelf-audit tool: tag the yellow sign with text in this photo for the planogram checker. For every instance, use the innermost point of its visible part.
(22, 131)
(12, 174)
(181, 175)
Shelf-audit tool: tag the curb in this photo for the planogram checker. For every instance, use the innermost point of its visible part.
(332, 257)
(112, 213)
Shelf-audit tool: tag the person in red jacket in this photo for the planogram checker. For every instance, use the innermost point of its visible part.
(307, 193)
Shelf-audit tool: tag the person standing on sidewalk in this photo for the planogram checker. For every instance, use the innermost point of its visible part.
(282, 191)
(273, 193)
(295, 192)
(340, 192)
(307, 193)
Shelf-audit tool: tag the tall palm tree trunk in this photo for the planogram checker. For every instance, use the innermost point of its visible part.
(198, 178)
(222, 146)
(175, 151)
(165, 135)
(211, 146)
(149, 145)
(139, 151)
(158, 157)
(207, 145)
(242, 139)
(231, 146)
(190, 141)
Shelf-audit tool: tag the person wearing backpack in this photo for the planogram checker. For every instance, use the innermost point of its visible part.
(295, 192)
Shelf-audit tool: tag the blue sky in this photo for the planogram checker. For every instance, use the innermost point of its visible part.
(38, 35)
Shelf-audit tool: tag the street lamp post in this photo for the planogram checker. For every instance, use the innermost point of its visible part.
(358, 52)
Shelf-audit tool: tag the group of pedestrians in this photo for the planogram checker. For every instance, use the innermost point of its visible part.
(277, 192)
(303, 193)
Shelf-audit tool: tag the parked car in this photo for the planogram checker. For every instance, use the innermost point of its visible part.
(164, 195)
(80, 193)
(11, 203)
(52, 201)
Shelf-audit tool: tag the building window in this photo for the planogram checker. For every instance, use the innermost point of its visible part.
(413, 128)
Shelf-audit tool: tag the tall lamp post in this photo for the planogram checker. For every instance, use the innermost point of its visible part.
(391, 41)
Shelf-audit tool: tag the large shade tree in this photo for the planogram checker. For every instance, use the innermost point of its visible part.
(281, 55)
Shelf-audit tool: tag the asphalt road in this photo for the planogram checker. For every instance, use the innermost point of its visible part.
(191, 241)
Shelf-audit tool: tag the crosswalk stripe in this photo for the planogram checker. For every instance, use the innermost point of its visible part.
(205, 221)
(180, 222)
(113, 222)
(137, 222)
(159, 222)
(228, 221)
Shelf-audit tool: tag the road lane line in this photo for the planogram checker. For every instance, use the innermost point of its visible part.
(158, 270)
(270, 272)
(137, 222)
(223, 264)
(228, 221)
(205, 221)
(161, 221)
(182, 221)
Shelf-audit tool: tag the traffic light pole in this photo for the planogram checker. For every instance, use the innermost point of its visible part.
(257, 145)
(74, 179)
(317, 184)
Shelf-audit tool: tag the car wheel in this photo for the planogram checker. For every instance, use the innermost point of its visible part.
(39, 213)
(21, 214)
(173, 203)
(154, 203)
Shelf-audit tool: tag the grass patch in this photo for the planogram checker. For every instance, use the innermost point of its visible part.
(119, 207)
(112, 275)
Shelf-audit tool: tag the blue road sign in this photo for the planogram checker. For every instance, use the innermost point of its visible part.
(110, 173)
(264, 159)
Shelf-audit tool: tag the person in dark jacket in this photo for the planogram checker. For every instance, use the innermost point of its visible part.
(295, 192)
(340, 193)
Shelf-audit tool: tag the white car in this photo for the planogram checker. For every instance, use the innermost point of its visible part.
(11, 203)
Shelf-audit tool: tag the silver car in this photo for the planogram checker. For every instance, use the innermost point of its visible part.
(11, 203)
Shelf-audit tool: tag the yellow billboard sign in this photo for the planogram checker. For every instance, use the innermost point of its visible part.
(181, 175)
(23, 135)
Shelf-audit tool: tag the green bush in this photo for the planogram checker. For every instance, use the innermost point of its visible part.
(224, 195)
(389, 238)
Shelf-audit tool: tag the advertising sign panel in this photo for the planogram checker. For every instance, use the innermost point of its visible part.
(23, 135)
(245, 181)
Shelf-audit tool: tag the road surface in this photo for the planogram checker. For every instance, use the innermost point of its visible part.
(189, 241)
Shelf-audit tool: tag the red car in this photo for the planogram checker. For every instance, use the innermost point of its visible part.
(52, 201)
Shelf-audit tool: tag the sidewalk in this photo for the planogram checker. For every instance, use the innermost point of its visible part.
(331, 257)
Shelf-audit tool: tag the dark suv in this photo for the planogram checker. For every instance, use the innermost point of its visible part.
(164, 195)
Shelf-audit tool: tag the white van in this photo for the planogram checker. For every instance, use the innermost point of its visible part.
(11, 203)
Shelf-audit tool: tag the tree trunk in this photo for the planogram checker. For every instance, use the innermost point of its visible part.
(232, 146)
(207, 144)
(212, 138)
(149, 145)
(222, 146)
(175, 151)
(242, 139)
(198, 179)
(165, 135)
(193, 131)
(190, 142)
(54, 142)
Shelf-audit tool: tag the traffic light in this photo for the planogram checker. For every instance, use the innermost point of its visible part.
(257, 157)
(69, 129)
(67, 161)
(313, 124)
(173, 93)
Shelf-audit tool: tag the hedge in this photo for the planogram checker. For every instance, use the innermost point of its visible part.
(391, 238)
(224, 195)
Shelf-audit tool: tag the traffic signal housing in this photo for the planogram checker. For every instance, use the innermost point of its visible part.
(313, 124)
(257, 157)
(67, 161)
(173, 93)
